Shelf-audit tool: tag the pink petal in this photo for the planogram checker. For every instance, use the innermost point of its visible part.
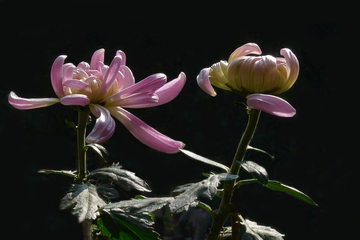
(128, 78)
(144, 133)
(104, 127)
(123, 57)
(292, 65)
(204, 82)
(98, 56)
(170, 90)
(76, 84)
(110, 75)
(148, 85)
(249, 48)
(141, 100)
(271, 104)
(75, 99)
(30, 103)
(56, 75)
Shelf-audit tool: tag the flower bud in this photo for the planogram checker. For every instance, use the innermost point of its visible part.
(255, 74)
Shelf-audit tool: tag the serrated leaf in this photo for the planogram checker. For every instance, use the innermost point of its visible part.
(204, 160)
(265, 232)
(141, 205)
(192, 191)
(278, 186)
(61, 172)
(121, 177)
(256, 171)
(84, 200)
(128, 225)
(107, 191)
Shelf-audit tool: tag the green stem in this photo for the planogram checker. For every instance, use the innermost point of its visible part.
(84, 113)
(81, 133)
(225, 205)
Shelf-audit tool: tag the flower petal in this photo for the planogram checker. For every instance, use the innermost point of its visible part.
(98, 56)
(271, 104)
(249, 48)
(75, 99)
(30, 103)
(57, 74)
(104, 127)
(110, 75)
(128, 78)
(123, 57)
(144, 133)
(135, 101)
(204, 82)
(292, 66)
(148, 85)
(169, 91)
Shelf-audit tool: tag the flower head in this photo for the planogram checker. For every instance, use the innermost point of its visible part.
(250, 75)
(107, 90)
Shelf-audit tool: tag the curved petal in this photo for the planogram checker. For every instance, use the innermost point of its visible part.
(57, 74)
(128, 78)
(169, 91)
(292, 66)
(142, 100)
(30, 103)
(98, 56)
(104, 127)
(204, 82)
(144, 133)
(249, 48)
(271, 104)
(148, 85)
(75, 99)
(110, 75)
(123, 57)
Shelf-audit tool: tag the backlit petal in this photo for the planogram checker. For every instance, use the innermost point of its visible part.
(271, 104)
(57, 74)
(249, 48)
(292, 67)
(98, 56)
(204, 82)
(104, 127)
(144, 133)
(75, 99)
(30, 103)
(169, 91)
(110, 75)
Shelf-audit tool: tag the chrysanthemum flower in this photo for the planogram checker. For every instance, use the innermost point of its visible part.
(255, 77)
(107, 90)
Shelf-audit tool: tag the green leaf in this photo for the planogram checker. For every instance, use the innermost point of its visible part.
(265, 232)
(141, 205)
(256, 171)
(121, 177)
(204, 160)
(278, 186)
(84, 200)
(192, 191)
(260, 150)
(127, 225)
(99, 149)
(61, 172)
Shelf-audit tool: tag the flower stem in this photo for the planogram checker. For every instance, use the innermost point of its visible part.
(81, 133)
(226, 207)
(84, 113)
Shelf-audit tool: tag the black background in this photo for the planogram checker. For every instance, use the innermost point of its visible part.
(313, 151)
